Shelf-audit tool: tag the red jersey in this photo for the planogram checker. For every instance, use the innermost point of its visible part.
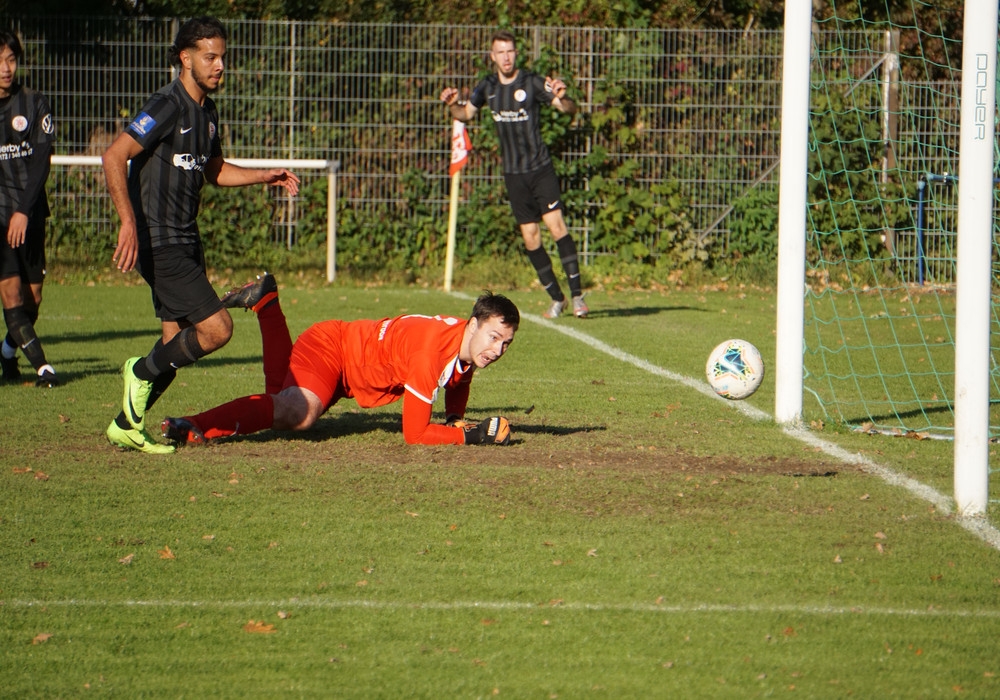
(377, 362)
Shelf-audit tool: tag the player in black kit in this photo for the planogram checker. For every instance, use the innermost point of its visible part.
(26, 136)
(174, 147)
(514, 96)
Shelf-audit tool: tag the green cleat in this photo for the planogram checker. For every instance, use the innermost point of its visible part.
(136, 439)
(135, 395)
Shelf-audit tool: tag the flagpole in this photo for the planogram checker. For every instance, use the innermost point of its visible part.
(460, 147)
(449, 263)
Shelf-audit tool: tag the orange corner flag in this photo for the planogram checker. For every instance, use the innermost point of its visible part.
(461, 144)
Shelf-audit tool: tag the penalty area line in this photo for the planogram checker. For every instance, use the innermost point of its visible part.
(976, 525)
(513, 606)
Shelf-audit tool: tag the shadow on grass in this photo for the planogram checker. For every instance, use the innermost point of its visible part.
(82, 367)
(638, 311)
(361, 423)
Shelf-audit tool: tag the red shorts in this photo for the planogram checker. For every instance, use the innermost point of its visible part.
(317, 362)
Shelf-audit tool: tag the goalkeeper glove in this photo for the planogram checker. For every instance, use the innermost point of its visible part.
(493, 431)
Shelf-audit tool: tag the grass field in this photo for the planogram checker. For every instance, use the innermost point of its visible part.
(638, 539)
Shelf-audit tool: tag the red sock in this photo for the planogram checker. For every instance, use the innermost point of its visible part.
(242, 416)
(277, 346)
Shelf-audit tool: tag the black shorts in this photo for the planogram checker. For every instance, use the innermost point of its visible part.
(181, 290)
(27, 261)
(534, 194)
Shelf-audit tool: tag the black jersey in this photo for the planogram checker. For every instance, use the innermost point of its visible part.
(178, 137)
(26, 127)
(516, 109)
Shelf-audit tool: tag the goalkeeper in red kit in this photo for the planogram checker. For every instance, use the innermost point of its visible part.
(375, 362)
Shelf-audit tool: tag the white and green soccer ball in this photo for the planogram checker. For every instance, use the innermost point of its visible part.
(735, 369)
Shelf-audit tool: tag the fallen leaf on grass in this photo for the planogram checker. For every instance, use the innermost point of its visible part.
(591, 552)
(41, 476)
(40, 565)
(412, 515)
(127, 559)
(22, 470)
(284, 615)
(41, 638)
(254, 627)
(165, 553)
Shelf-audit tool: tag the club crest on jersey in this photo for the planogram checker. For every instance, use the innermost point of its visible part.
(19, 122)
(520, 95)
(211, 130)
(47, 125)
(142, 124)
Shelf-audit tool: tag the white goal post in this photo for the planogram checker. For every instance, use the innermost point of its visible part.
(974, 249)
(975, 256)
(332, 167)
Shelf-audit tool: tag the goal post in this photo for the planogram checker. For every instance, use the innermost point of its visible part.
(861, 329)
(975, 254)
(792, 198)
(332, 167)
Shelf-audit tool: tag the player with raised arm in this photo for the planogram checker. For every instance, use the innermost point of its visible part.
(27, 132)
(375, 362)
(174, 147)
(515, 96)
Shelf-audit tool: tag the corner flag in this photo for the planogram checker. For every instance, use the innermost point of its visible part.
(461, 144)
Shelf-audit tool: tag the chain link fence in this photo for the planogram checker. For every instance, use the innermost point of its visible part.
(699, 109)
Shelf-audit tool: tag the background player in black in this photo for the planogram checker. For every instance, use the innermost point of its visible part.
(515, 96)
(174, 147)
(26, 135)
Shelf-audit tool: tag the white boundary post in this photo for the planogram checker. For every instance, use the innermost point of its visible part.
(788, 361)
(975, 254)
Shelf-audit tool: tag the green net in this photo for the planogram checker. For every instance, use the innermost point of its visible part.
(882, 221)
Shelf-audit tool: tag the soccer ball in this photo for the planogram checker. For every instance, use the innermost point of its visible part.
(735, 369)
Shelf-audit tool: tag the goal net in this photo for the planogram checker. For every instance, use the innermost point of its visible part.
(882, 221)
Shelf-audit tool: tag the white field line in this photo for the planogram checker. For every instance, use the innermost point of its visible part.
(977, 525)
(667, 609)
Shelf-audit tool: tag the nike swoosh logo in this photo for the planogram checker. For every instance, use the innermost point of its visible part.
(184, 131)
(554, 204)
(127, 440)
(134, 418)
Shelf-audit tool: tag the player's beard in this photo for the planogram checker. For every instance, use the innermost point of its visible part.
(203, 81)
(508, 74)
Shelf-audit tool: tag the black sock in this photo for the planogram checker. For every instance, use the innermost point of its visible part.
(160, 384)
(543, 266)
(20, 328)
(182, 350)
(570, 263)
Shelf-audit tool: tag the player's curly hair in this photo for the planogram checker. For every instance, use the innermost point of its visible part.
(11, 42)
(489, 305)
(193, 31)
